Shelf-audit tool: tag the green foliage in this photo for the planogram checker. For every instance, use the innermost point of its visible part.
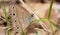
(48, 19)
(50, 8)
(58, 27)
(22, 32)
(8, 25)
(36, 33)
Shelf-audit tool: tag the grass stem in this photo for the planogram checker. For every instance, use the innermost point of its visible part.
(50, 8)
(8, 25)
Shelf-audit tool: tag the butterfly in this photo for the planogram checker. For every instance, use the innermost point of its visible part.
(19, 17)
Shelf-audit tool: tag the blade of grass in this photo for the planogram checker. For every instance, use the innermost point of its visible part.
(37, 29)
(43, 25)
(51, 27)
(8, 26)
(41, 19)
(58, 27)
(36, 33)
(45, 19)
(22, 32)
(49, 13)
(50, 8)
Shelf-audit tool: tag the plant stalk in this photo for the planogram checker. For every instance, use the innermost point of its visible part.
(8, 25)
(50, 8)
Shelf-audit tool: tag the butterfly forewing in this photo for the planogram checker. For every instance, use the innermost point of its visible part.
(20, 17)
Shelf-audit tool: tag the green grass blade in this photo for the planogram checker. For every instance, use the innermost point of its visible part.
(8, 26)
(45, 19)
(51, 26)
(4, 10)
(49, 13)
(58, 27)
(50, 8)
(36, 33)
(22, 32)
(41, 19)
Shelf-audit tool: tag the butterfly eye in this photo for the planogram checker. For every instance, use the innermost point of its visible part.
(14, 14)
(17, 27)
(15, 20)
(13, 7)
(16, 33)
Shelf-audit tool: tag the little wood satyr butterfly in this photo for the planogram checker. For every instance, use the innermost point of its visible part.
(19, 16)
